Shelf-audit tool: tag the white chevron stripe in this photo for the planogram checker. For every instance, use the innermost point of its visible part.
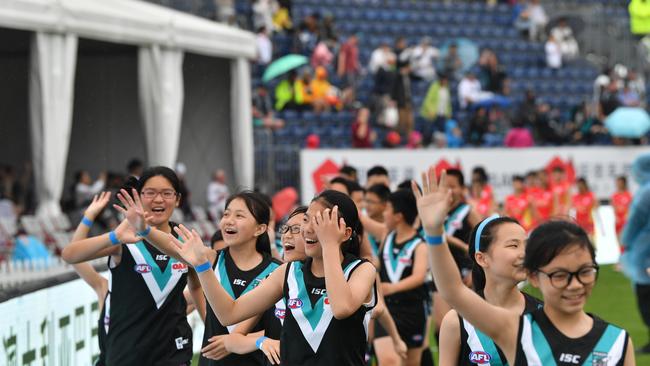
(158, 295)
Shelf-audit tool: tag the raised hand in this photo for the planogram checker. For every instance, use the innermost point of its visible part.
(433, 202)
(97, 205)
(133, 209)
(126, 233)
(190, 247)
(329, 228)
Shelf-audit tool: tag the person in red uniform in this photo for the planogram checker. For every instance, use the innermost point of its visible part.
(584, 202)
(560, 187)
(481, 193)
(541, 198)
(517, 205)
(620, 201)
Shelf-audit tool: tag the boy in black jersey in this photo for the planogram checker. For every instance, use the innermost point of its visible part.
(403, 271)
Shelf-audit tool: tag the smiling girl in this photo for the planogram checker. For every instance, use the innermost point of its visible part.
(560, 261)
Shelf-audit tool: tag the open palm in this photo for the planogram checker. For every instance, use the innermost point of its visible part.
(190, 247)
(97, 205)
(434, 200)
(132, 210)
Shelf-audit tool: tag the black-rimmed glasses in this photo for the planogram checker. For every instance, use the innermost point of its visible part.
(295, 229)
(561, 279)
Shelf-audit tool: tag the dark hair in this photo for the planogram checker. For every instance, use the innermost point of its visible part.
(376, 170)
(582, 180)
(343, 181)
(78, 174)
(623, 179)
(550, 238)
(517, 178)
(355, 187)
(405, 184)
(348, 210)
(217, 236)
(260, 210)
(133, 165)
(403, 202)
(558, 169)
(348, 170)
(162, 171)
(297, 211)
(482, 175)
(488, 235)
(458, 174)
(531, 174)
(380, 190)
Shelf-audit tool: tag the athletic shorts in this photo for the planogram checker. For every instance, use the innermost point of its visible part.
(411, 323)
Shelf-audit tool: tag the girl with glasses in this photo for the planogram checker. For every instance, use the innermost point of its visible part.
(560, 261)
(146, 285)
(329, 296)
(496, 248)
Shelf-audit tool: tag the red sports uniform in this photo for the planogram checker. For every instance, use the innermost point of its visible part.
(621, 203)
(584, 203)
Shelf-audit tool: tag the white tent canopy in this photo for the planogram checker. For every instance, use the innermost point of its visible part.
(163, 36)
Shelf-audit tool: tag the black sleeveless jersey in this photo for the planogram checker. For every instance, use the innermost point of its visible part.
(236, 283)
(397, 261)
(310, 333)
(146, 310)
(457, 225)
(541, 343)
(476, 346)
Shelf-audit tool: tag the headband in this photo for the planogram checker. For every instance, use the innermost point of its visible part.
(479, 231)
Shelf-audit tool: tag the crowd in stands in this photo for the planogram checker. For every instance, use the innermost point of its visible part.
(464, 105)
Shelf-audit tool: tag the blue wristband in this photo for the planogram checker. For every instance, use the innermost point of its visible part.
(259, 341)
(113, 237)
(86, 221)
(145, 232)
(203, 267)
(434, 240)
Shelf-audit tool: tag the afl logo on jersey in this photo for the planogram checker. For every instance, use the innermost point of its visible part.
(479, 357)
(327, 301)
(406, 261)
(279, 313)
(294, 303)
(142, 268)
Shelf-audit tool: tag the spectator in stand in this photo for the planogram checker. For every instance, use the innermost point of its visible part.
(307, 35)
(285, 94)
(620, 201)
(628, 97)
(85, 189)
(452, 65)
(469, 91)
(518, 136)
(348, 68)
(637, 84)
(382, 59)
(517, 205)
(392, 140)
(545, 126)
(423, 58)
(481, 195)
(538, 20)
(436, 108)
(453, 134)
(492, 76)
(601, 82)
(327, 30)
(609, 100)
(563, 35)
(587, 129)
(225, 10)
(263, 14)
(414, 140)
(303, 87)
(323, 93)
(263, 114)
(282, 19)
(264, 47)
(322, 55)
(402, 95)
(584, 202)
(217, 193)
(377, 175)
(363, 135)
(553, 53)
(402, 52)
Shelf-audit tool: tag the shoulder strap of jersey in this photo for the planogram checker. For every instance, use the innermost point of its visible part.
(610, 348)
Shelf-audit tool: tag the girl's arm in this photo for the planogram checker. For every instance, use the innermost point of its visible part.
(345, 296)
(196, 292)
(381, 313)
(449, 339)
(629, 354)
(99, 246)
(227, 310)
(374, 228)
(240, 341)
(417, 277)
(497, 323)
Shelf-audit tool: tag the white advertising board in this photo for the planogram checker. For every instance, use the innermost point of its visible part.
(599, 165)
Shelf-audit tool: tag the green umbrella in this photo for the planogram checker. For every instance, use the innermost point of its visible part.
(282, 65)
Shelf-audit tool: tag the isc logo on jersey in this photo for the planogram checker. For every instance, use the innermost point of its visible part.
(142, 268)
(479, 357)
(294, 303)
(179, 267)
(280, 313)
(239, 282)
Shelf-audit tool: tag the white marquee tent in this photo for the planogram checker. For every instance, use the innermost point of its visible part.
(167, 95)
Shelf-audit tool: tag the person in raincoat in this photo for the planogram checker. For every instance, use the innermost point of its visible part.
(635, 260)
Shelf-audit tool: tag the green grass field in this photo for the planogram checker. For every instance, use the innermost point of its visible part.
(612, 300)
